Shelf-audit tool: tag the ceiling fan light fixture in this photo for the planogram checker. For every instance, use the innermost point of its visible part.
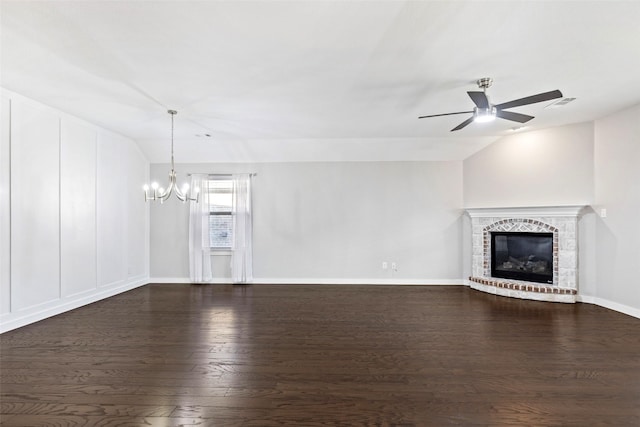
(485, 111)
(484, 115)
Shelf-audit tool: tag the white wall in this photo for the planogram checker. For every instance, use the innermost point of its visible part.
(74, 228)
(332, 222)
(548, 167)
(617, 189)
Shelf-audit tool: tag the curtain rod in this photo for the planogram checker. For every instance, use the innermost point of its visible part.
(225, 174)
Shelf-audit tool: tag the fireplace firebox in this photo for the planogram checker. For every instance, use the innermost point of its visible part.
(522, 256)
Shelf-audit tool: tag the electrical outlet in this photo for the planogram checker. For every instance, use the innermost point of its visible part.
(394, 266)
(385, 265)
(603, 213)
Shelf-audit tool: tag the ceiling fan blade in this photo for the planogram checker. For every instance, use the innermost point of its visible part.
(463, 124)
(445, 114)
(541, 97)
(479, 98)
(515, 117)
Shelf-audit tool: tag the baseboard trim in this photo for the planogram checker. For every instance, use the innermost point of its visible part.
(14, 320)
(383, 282)
(602, 302)
(183, 280)
(320, 281)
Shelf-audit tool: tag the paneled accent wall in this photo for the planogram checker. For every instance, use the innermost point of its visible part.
(77, 208)
(5, 205)
(35, 206)
(111, 204)
(74, 227)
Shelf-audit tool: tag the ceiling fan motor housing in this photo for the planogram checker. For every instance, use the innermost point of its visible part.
(482, 115)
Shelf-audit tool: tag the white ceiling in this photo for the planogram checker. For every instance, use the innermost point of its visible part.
(317, 80)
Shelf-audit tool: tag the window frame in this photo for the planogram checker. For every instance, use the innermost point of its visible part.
(221, 250)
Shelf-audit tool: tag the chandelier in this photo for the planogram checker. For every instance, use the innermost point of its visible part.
(161, 194)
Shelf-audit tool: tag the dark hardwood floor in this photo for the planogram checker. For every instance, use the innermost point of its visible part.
(271, 355)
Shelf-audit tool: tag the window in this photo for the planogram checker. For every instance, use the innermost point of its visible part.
(220, 213)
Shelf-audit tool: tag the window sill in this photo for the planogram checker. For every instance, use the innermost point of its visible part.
(220, 252)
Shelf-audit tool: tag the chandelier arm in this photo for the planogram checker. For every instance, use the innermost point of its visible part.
(167, 192)
(181, 196)
(164, 196)
(174, 183)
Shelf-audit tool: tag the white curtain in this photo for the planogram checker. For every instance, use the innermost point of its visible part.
(241, 252)
(199, 252)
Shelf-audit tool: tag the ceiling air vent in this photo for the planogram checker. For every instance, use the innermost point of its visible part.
(560, 103)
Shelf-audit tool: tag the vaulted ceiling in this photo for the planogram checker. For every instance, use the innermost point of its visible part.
(317, 80)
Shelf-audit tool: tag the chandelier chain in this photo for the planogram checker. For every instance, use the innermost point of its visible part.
(173, 113)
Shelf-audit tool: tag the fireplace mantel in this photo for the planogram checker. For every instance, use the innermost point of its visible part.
(572, 211)
(559, 220)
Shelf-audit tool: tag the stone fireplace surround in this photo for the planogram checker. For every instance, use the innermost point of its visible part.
(562, 221)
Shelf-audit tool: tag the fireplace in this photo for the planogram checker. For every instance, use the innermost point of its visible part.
(522, 256)
(525, 252)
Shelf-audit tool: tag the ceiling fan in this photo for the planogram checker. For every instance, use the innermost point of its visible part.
(485, 111)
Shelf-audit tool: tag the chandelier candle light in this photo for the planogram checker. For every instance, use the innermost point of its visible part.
(159, 193)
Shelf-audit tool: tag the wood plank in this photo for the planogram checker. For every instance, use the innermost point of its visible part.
(267, 355)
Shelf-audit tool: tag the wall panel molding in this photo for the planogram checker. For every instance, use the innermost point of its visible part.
(58, 231)
(5, 205)
(35, 205)
(77, 208)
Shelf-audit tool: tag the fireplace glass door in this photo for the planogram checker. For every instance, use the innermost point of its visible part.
(522, 256)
